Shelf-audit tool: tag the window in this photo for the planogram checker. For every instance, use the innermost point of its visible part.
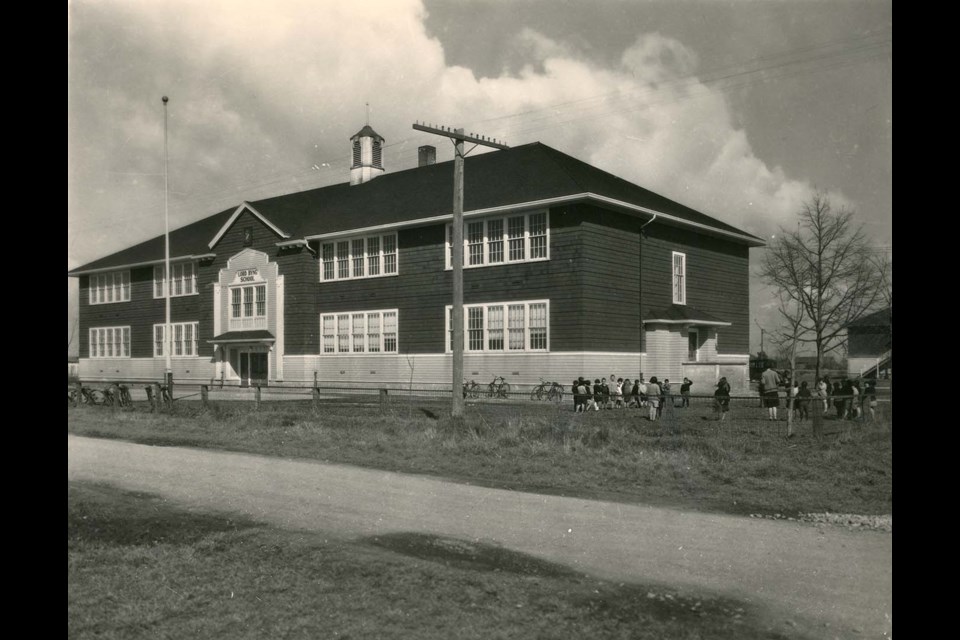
(359, 332)
(679, 278)
(248, 307)
(527, 326)
(518, 238)
(183, 283)
(693, 345)
(367, 257)
(185, 340)
(110, 342)
(110, 287)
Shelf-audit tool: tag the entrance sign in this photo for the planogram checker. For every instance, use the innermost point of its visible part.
(244, 276)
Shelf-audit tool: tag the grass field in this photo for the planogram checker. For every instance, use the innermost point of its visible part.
(137, 567)
(743, 465)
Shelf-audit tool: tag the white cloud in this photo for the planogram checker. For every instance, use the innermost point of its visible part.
(262, 91)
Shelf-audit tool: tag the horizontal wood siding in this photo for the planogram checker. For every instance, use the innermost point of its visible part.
(864, 342)
(718, 274)
(666, 351)
(402, 370)
(143, 310)
(197, 369)
(609, 280)
(423, 288)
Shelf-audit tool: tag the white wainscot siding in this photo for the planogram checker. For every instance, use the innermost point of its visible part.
(195, 370)
(522, 371)
(667, 349)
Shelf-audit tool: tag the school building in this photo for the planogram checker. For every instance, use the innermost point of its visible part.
(568, 271)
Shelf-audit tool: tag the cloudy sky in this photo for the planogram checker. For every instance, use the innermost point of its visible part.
(736, 108)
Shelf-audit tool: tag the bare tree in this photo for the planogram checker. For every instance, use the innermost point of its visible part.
(72, 334)
(787, 337)
(825, 269)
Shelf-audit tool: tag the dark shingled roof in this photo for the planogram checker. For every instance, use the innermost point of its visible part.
(252, 335)
(517, 175)
(682, 313)
(880, 318)
(366, 131)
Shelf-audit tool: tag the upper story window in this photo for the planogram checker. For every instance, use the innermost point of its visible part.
(517, 238)
(183, 283)
(248, 307)
(110, 287)
(679, 278)
(365, 257)
(110, 342)
(503, 326)
(359, 332)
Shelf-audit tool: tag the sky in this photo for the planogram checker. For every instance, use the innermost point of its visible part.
(737, 108)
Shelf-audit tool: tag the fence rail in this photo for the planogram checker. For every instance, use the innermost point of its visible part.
(673, 411)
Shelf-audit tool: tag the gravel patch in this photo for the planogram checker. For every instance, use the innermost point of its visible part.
(850, 521)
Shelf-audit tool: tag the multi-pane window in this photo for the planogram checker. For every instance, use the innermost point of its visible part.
(110, 342)
(185, 339)
(359, 332)
(679, 278)
(527, 326)
(183, 282)
(249, 301)
(110, 287)
(328, 256)
(517, 238)
(366, 257)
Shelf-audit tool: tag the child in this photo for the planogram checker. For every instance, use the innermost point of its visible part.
(794, 396)
(635, 394)
(685, 392)
(618, 394)
(642, 388)
(870, 398)
(803, 401)
(721, 399)
(855, 400)
(653, 397)
(604, 393)
(577, 397)
(665, 390)
(597, 395)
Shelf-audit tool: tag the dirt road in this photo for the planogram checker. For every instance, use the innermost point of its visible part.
(828, 582)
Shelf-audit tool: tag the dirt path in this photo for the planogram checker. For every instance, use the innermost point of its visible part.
(830, 582)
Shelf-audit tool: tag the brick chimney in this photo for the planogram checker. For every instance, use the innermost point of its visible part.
(426, 154)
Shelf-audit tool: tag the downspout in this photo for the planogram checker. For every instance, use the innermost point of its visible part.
(640, 287)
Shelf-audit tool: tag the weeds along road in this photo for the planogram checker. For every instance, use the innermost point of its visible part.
(829, 582)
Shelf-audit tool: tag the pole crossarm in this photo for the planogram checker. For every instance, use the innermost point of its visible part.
(458, 135)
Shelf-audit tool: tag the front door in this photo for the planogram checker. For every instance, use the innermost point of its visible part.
(251, 366)
(258, 368)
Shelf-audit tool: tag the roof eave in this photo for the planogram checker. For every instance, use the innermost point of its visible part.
(145, 263)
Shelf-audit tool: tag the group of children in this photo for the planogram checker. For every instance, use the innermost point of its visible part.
(850, 402)
(617, 393)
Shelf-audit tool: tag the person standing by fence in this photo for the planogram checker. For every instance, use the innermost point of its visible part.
(685, 392)
(653, 397)
(823, 392)
(771, 381)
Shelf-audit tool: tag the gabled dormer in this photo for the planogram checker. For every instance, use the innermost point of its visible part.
(367, 161)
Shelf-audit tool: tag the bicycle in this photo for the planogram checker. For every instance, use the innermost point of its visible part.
(552, 390)
(471, 389)
(499, 388)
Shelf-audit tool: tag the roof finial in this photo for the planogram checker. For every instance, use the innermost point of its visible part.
(368, 113)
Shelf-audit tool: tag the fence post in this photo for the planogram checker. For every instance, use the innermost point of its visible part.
(258, 397)
(383, 400)
(204, 397)
(150, 398)
(316, 398)
(170, 390)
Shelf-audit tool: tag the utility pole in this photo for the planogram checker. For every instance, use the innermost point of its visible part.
(762, 353)
(168, 378)
(457, 137)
